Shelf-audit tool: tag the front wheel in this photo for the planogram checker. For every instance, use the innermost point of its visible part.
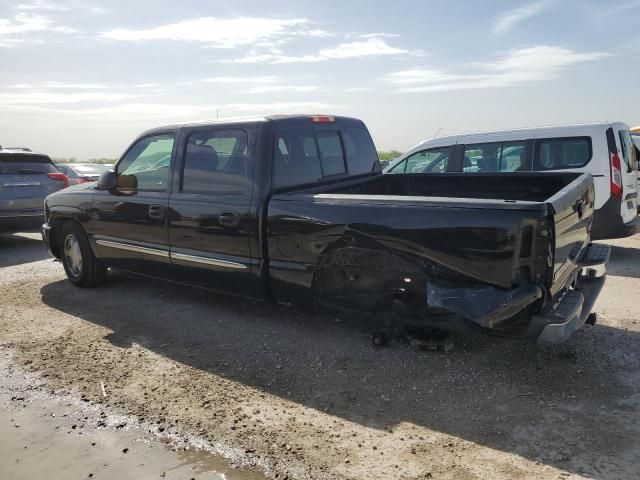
(83, 269)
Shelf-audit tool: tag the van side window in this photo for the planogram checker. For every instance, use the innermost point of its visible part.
(494, 157)
(216, 161)
(562, 153)
(434, 160)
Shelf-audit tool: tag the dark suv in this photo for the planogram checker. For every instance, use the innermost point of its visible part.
(26, 178)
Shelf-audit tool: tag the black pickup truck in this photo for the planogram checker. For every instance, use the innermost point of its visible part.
(295, 209)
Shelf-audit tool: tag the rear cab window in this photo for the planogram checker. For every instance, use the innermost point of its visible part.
(304, 155)
(26, 164)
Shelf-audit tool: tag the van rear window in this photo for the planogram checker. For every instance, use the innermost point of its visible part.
(627, 149)
(562, 153)
(308, 155)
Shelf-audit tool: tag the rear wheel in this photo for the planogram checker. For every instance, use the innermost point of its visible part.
(80, 264)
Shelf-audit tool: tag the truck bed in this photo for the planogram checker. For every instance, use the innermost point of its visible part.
(511, 239)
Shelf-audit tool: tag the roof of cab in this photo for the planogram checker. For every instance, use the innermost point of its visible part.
(280, 120)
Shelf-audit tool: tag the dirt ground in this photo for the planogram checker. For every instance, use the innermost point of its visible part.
(58, 437)
(301, 396)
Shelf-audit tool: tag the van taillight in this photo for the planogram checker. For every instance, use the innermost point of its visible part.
(61, 177)
(616, 175)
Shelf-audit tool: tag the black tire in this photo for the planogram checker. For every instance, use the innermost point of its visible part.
(90, 272)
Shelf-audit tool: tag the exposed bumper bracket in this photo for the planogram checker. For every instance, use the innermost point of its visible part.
(572, 311)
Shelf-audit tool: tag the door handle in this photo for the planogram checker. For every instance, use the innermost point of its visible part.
(229, 219)
(156, 211)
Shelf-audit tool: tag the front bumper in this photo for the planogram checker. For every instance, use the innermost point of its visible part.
(572, 311)
(45, 231)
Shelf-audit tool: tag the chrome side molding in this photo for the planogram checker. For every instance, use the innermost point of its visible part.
(225, 264)
(133, 248)
(208, 261)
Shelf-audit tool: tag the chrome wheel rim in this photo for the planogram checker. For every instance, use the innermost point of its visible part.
(73, 255)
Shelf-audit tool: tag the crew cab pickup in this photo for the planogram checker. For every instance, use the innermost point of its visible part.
(295, 209)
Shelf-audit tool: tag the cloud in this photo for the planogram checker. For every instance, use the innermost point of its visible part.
(261, 79)
(80, 86)
(270, 108)
(509, 19)
(520, 66)
(367, 47)
(42, 6)
(45, 97)
(16, 30)
(282, 88)
(222, 32)
(146, 115)
(260, 84)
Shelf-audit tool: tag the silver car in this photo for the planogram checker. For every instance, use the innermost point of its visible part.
(26, 178)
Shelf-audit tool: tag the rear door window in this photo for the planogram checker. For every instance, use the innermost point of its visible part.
(562, 153)
(217, 161)
(21, 164)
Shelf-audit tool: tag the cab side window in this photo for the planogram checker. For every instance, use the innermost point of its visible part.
(145, 166)
(217, 161)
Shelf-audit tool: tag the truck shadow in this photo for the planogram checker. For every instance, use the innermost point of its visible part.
(487, 390)
(18, 249)
(624, 262)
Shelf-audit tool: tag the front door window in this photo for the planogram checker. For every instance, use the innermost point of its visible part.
(145, 167)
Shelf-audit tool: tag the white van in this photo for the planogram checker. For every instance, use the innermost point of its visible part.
(603, 149)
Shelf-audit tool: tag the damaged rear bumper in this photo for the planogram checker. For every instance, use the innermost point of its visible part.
(499, 310)
(571, 312)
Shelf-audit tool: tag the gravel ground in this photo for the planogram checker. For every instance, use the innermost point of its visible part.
(305, 396)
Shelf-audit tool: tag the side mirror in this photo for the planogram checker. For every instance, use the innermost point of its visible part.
(107, 181)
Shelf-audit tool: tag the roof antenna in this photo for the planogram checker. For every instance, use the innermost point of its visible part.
(437, 132)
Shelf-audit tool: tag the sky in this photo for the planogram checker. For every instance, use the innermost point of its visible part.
(84, 78)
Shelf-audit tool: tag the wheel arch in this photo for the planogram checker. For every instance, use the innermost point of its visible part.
(366, 278)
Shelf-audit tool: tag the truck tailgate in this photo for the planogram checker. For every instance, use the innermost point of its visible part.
(573, 208)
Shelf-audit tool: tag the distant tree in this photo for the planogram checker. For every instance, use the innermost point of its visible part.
(102, 160)
(390, 155)
(91, 160)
